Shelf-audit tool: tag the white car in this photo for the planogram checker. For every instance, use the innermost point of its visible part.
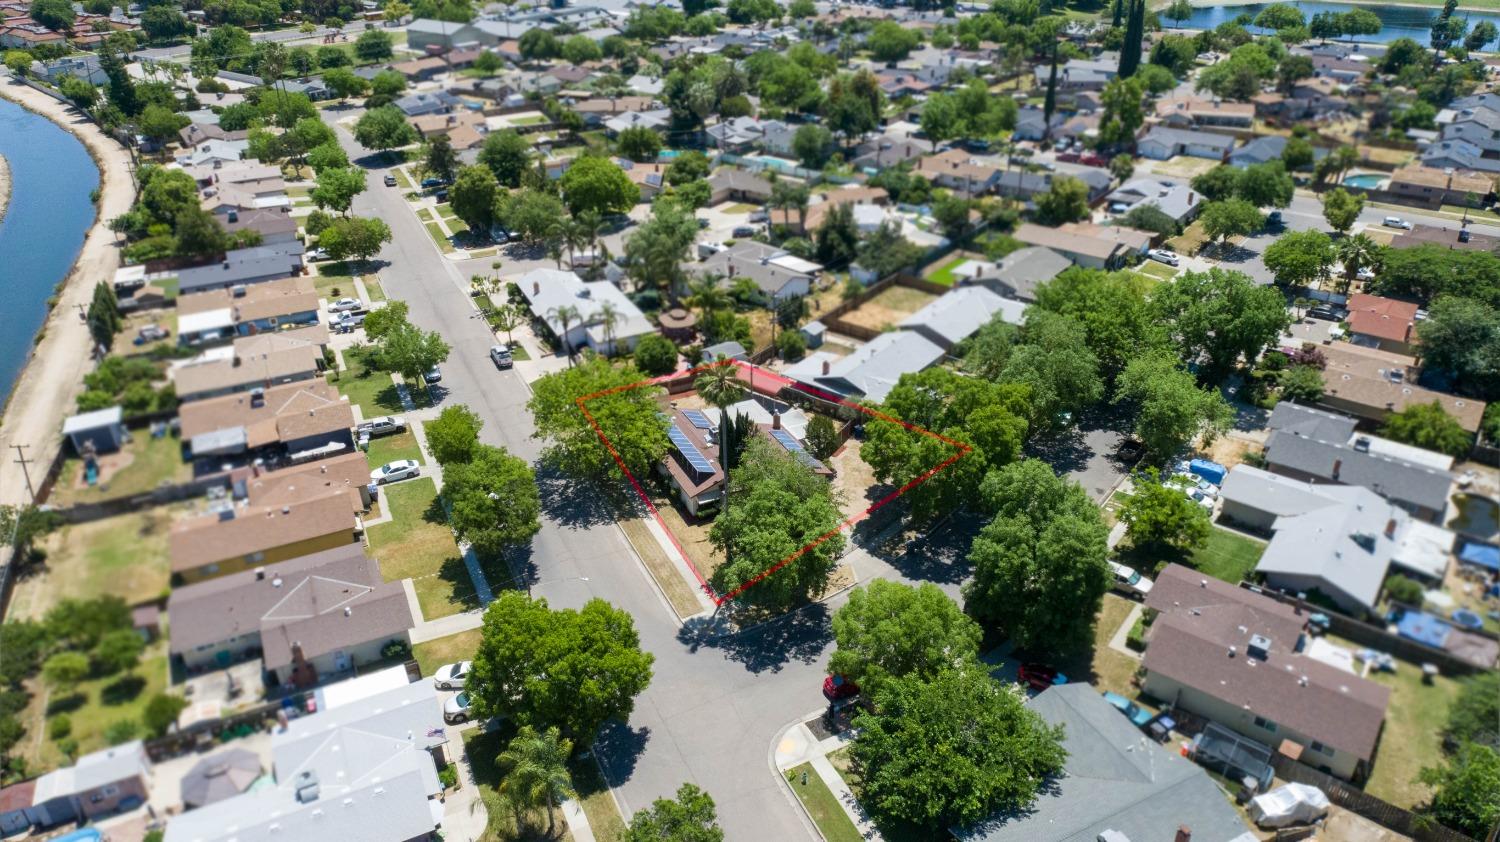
(1190, 481)
(457, 709)
(1365, 274)
(1128, 581)
(1164, 256)
(316, 255)
(344, 305)
(398, 470)
(452, 676)
(1197, 496)
(1396, 222)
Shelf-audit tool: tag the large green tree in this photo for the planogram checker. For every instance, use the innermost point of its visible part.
(473, 197)
(1157, 516)
(690, 817)
(508, 156)
(493, 500)
(573, 670)
(384, 128)
(1428, 425)
(952, 750)
(628, 417)
(1119, 323)
(354, 237)
(888, 630)
(1171, 411)
(1221, 317)
(1298, 258)
(990, 418)
(453, 436)
(597, 184)
(1039, 565)
(1467, 796)
(1462, 336)
(336, 188)
(1055, 362)
(658, 248)
(1341, 208)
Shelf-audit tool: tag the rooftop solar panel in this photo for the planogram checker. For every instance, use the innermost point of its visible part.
(697, 419)
(689, 451)
(793, 446)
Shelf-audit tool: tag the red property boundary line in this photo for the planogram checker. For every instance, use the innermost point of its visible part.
(749, 372)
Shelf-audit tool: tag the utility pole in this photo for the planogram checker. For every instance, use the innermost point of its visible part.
(23, 462)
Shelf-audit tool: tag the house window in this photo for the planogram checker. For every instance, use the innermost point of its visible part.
(1262, 722)
(1322, 749)
(255, 558)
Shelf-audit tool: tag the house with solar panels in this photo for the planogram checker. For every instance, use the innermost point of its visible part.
(692, 464)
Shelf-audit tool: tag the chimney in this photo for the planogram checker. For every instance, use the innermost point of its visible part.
(776, 425)
(1390, 528)
(825, 368)
(1184, 834)
(536, 287)
(1338, 465)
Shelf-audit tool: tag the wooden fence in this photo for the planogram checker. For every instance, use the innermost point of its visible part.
(1357, 801)
(835, 322)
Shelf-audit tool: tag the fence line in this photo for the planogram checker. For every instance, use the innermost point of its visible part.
(1356, 800)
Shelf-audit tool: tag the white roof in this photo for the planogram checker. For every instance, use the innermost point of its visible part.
(793, 263)
(84, 421)
(216, 319)
(546, 290)
(1425, 548)
(956, 315)
(358, 689)
(793, 420)
(129, 275)
(92, 771)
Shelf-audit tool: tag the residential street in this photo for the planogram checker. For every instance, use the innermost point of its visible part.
(712, 709)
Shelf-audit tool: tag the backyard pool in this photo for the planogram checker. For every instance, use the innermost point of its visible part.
(1478, 517)
(1366, 181)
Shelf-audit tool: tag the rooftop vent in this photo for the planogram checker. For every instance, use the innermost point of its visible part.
(307, 787)
(1259, 647)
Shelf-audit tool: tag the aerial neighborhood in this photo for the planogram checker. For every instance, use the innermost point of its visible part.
(693, 420)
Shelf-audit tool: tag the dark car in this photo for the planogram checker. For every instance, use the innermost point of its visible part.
(432, 182)
(837, 688)
(1040, 676)
(1328, 313)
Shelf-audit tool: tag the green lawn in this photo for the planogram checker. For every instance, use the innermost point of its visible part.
(125, 555)
(446, 650)
(439, 237)
(528, 120)
(403, 180)
(371, 389)
(1228, 555)
(1157, 270)
(445, 210)
(391, 448)
(418, 545)
(143, 464)
(93, 705)
(1412, 739)
(822, 805)
(425, 214)
(944, 275)
(374, 288)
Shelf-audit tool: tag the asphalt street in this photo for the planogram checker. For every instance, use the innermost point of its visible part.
(713, 708)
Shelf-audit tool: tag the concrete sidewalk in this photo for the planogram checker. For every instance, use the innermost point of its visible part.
(799, 745)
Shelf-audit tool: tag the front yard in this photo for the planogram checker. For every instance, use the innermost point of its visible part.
(483, 749)
(370, 387)
(446, 650)
(822, 805)
(125, 556)
(1227, 555)
(388, 449)
(418, 545)
(92, 705)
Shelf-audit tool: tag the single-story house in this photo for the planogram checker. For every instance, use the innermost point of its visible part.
(1448, 186)
(1239, 659)
(957, 315)
(306, 416)
(1018, 274)
(871, 371)
(1384, 323)
(260, 361)
(886, 151)
(331, 610)
(1174, 197)
(548, 291)
(731, 184)
(304, 480)
(1163, 142)
(779, 274)
(1337, 540)
(427, 102)
(1370, 384)
(692, 466)
(1085, 244)
(958, 170)
(1195, 112)
(1032, 123)
(265, 262)
(1114, 785)
(221, 314)
(242, 537)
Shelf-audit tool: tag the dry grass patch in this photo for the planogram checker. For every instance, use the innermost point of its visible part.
(681, 594)
(890, 306)
(124, 556)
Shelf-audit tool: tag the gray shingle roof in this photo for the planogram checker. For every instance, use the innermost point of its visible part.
(1392, 478)
(1113, 780)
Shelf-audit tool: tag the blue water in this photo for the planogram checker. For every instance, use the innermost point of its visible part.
(51, 176)
(1368, 182)
(1400, 21)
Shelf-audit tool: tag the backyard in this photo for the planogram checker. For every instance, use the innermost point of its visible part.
(945, 274)
(888, 307)
(1226, 555)
(1412, 739)
(417, 544)
(93, 705)
(125, 555)
(144, 463)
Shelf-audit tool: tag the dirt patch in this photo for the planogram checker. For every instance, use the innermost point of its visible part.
(692, 534)
(680, 593)
(889, 307)
(1229, 451)
(854, 481)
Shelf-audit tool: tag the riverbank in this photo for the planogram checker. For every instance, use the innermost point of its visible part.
(48, 387)
(4, 186)
(1467, 6)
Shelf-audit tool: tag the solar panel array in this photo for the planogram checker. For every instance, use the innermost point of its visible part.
(697, 419)
(689, 451)
(790, 442)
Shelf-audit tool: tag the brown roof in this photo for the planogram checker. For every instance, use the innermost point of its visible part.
(1198, 107)
(1200, 640)
(1383, 318)
(17, 796)
(854, 195)
(281, 297)
(1433, 177)
(293, 486)
(289, 411)
(692, 482)
(614, 105)
(301, 601)
(1361, 377)
(955, 163)
(211, 538)
(264, 358)
(1037, 235)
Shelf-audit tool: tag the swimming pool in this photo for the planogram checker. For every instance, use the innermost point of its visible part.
(1366, 181)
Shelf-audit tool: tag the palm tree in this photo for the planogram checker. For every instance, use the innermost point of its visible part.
(566, 315)
(609, 316)
(721, 386)
(707, 295)
(1356, 252)
(536, 772)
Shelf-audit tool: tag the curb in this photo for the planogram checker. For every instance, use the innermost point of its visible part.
(786, 788)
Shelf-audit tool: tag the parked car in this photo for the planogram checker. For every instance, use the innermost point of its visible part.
(390, 181)
(744, 231)
(452, 676)
(433, 375)
(316, 255)
(394, 471)
(837, 688)
(1396, 222)
(432, 182)
(381, 425)
(1137, 715)
(1273, 219)
(1040, 676)
(458, 709)
(349, 322)
(1164, 256)
(343, 305)
(760, 216)
(500, 356)
(1069, 157)
(1128, 581)
(1191, 480)
(151, 333)
(1365, 273)
(1328, 313)
(1094, 159)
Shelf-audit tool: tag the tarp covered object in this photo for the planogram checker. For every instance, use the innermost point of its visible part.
(1289, 804)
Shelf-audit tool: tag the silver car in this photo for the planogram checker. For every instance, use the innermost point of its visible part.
(458, 709)
(395, 471)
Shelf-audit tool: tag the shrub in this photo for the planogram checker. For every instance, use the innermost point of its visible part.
(161, 713)
(60, 727)
(791, 344)
(68, 746)
(1398, 588)
(448, 776)
(655, 355)
(395, 649)
(122, 731)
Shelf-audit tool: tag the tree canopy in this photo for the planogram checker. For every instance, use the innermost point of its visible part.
(888, 630)
(1428, 425)
(1171, 411)
(492, 499)
(1220, 317)
(629, 418)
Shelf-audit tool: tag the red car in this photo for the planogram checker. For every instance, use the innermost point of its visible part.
(1040, 676)
(837, 688)
(1094, 160)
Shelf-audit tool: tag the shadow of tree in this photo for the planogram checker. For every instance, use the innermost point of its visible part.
(66, 704)
(582, 504)
(800, 635)
(456, 573)
(124, 690)
(619, 748)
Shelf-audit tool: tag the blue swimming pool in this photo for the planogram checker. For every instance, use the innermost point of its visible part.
(1366, 181)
